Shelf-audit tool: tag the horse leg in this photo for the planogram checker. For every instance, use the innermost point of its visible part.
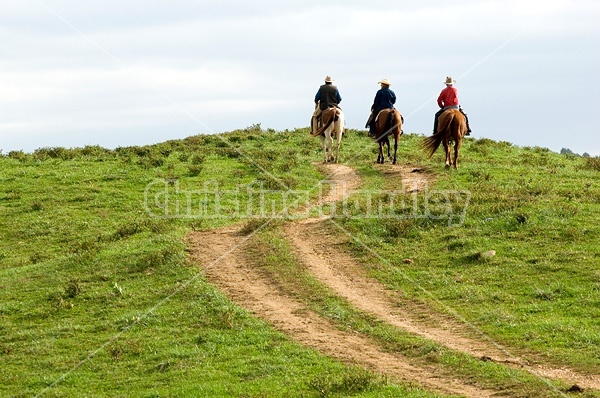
(324, 147)
(447, 149)
(456, 148)
(380, 155)
(395, 148)
(338, 136)
(387, 141)
(339, 141)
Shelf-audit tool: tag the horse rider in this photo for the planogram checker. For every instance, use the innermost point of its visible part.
(384, 99)
(328, 96)
(448, 99)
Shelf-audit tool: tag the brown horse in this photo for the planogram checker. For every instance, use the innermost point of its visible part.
(389, 122)
(451, 127)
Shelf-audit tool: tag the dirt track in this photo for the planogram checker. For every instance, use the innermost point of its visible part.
(221, 254)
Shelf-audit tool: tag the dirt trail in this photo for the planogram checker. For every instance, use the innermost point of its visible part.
(344, 276)
(220, 254)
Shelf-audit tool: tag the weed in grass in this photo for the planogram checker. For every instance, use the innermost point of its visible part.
(86, 247)
(73, 289)
(351, 382)
(117, 290)
(228, 316)
(133, 227)
(257, 224)
(35, 258)
(59, 300)
(480, 257)
(37, 206)
(197, 225)
(150, 260)
(521, 219)
(195, 170)
(164, 366)
(126, 230)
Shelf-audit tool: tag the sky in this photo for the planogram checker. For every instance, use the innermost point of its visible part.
(120, 73)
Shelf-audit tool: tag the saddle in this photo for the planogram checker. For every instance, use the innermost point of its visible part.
(379, 113)
(374, 118)
(321, 122)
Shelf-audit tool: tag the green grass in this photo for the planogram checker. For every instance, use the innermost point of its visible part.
(97, 297)
(539, 212)
(273, 256)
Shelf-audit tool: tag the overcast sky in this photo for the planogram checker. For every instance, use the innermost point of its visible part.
(118, 73)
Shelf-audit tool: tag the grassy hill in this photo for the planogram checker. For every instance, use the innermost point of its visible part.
(98, 298)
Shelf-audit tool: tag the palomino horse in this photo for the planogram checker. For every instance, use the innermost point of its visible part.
(332, 127)
(451, 127)
(388, 121)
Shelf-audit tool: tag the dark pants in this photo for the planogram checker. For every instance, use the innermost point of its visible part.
(438, 113)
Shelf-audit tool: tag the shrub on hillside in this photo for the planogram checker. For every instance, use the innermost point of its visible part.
(593, 163)
(53, 153)
(94, 151)
(18, 155)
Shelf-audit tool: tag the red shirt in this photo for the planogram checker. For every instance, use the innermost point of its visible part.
(448, 97)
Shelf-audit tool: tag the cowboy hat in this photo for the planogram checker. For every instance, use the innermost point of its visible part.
(449, 80)
(328, 79)
(385, 81)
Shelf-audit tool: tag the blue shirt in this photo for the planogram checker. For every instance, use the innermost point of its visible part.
(385, 98)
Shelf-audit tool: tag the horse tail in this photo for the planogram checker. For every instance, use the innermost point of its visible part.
(389, 124)
(432, 143)
(398, 122)
(446, 122)
(324, 126)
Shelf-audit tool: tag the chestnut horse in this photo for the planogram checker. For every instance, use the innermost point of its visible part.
(451, 127)
(332, 127)
(388, 122)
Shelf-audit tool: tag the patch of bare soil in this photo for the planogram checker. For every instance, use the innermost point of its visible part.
(220, 253)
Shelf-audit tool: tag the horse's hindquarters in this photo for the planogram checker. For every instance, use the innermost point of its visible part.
(333, 131)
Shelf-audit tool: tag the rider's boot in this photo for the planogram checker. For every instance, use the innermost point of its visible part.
(466, 120)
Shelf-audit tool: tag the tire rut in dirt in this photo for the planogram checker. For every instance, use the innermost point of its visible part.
(221, 255)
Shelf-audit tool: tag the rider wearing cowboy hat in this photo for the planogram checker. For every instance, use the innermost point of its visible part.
(384, 99)
(328, 96)
(448, 99)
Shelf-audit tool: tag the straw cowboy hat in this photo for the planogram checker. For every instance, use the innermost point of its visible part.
(449, 80)
(385, 81)
(328, 79)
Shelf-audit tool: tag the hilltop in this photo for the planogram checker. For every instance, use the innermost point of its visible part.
(102, 290)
